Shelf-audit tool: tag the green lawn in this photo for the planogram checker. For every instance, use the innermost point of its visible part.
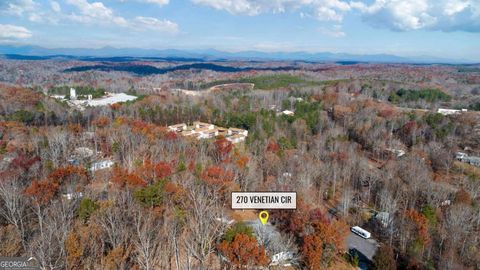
(269, 82)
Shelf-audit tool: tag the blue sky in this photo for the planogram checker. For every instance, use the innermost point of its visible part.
(441, 28)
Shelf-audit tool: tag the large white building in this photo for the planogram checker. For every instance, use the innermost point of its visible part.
(108, 99)
(201, 130)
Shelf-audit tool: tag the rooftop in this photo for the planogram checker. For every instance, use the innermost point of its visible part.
(208, 128)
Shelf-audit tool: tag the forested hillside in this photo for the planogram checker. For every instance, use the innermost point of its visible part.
(165, 201)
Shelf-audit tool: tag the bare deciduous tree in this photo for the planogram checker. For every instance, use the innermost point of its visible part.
(205, 223)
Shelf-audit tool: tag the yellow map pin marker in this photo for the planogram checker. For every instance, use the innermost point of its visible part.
(263, 216)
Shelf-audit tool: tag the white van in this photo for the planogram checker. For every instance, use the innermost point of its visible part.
(361, 232)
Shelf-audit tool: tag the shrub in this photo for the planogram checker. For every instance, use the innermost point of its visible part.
(238, 228)
(86, 209)
(428, 212)
(152, 195)
(22, 116)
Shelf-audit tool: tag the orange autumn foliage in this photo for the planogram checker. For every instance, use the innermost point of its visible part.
(332, 233)
(171, 135)
(75, 128)
(215, 175)
(153, 172)
(151, 131)
(273, 147)
(421, 225)
(312, 250)
(18, 97)
(292, 222)
(122, 178)
(223, 147)
(115, 106)
(62, 174)
(242, 161)
(42, 191)
(243, 251)
(101, 122)
(175, 192)
(326, 241)
(163, 169)
(121, 120)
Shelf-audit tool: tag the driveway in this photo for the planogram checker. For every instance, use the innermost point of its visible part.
(365, 248)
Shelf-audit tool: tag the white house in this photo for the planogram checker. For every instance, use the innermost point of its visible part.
(283, 258)
(446, 203)
(464, 157)
(201, 130)
(71, 195)
(240, 131)
(206, 133)
(287, 112)
(396, 152)
(450, 111)
(384, 218)
(472, 160)
(178, 127)
(198, 125)
(460, 155)
(103, 164)
(236, 138)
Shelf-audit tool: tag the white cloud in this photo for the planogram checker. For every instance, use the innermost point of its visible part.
(243, 7)
(157, 2)
(455, 6)
(21, 7)
(399, 15)
(98, 13)
(253, 7)
(325, 10)
(95, 12)
(335, 31)
(406, 15)
(28, 9)
(9, 32)
(149, 23)
(85, 12)
(55, 6)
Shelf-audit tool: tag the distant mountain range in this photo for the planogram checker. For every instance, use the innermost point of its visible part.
(126, 54)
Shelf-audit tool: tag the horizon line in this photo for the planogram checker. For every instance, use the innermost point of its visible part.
(205, 52)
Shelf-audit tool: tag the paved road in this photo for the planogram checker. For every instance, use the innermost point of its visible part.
(365, 247)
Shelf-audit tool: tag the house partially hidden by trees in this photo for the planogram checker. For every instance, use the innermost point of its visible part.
(472, 160)
(101, 164)
(202, 130)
